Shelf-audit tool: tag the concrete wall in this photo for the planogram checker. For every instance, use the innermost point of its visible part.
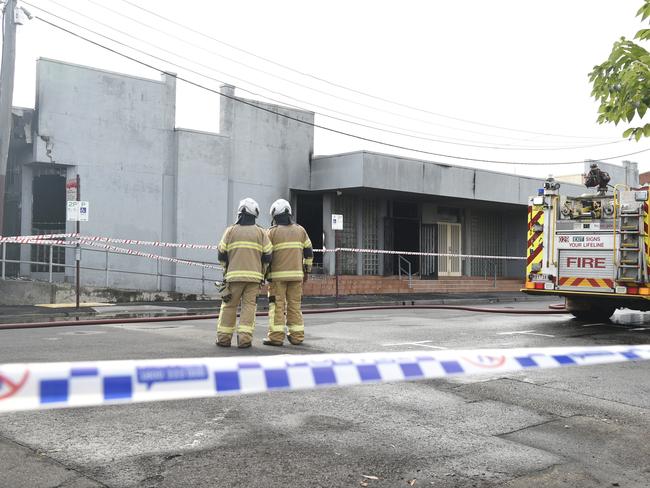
(116, 131)
(202, 201)
(270, 153)
(327, 173)
(145, 180)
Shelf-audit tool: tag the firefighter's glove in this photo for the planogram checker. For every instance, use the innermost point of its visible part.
(224, 291)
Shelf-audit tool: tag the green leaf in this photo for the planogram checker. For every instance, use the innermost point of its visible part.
(628, 132)
(646, 130)
(641, 110)
(644, 11)
(637, 134)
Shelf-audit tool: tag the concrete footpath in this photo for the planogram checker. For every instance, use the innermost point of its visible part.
(31, 313)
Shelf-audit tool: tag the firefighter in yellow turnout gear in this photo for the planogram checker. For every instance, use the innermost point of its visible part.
(292, 260)
(244, 252)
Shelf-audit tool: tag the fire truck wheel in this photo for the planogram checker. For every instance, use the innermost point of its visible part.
(601, 313)
(588, 310)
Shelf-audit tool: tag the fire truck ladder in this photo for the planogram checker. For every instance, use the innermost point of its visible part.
(630, 251)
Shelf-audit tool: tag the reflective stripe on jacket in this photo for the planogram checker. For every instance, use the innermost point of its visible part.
(292, 252)
(244, 250)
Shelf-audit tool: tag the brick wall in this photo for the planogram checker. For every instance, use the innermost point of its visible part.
(368, 285)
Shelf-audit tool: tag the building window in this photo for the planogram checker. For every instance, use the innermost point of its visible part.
(370, 236)
(487, 239)
(347, 261)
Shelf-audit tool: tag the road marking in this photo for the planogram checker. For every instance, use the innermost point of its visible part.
(83, 332)
(641, 328)
(416, 343)
(525, 332)
(592, 325)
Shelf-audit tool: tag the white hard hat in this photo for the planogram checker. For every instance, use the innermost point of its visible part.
(279, 207)
(249, 206)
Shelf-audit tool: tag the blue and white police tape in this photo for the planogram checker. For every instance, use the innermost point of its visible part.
(37, 386)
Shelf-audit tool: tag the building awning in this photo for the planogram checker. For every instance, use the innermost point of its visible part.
(365, 169)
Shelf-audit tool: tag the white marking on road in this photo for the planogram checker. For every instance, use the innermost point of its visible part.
(592, 325)
(415, 343)
(641, 328)
(525, 332)
(83, 332)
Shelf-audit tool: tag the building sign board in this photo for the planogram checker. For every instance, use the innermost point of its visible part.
(71, 190)
(585, 241)
(337, 222)
(77, 211)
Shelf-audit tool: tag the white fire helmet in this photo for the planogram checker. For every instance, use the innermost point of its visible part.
(279, 207)
(249, 206)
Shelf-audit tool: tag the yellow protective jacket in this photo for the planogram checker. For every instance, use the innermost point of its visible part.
(292, 253)
(244, 251)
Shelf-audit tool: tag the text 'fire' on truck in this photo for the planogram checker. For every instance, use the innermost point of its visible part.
(592, 249)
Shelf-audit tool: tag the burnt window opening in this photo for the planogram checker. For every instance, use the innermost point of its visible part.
(48, 217)
(310, 215)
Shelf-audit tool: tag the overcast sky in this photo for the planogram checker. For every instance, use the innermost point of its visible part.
(508, 76)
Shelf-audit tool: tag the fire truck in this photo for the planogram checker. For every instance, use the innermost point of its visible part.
(592, 249)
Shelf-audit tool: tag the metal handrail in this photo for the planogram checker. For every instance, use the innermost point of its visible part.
(494, 268)
(408, 270)
(106, 269)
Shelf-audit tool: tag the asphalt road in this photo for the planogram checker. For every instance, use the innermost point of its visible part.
(573, 427)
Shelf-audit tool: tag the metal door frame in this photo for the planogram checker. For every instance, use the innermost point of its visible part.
(446, 263)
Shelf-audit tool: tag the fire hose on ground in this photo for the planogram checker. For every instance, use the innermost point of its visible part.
(554, 309)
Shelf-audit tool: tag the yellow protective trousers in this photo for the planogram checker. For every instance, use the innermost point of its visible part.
(284, 310)
(246, 293)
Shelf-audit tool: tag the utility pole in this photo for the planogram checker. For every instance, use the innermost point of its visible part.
(6, 95)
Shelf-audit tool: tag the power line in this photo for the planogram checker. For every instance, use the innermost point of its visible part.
(489, 146)
(510, 147)
(347, 100)
(353, 90)
(318, 126)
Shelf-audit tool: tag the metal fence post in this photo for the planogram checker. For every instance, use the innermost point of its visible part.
(51, 260)
(336, 268)
(106, 278)
(158, 277)
(203, 280)
(4, 258)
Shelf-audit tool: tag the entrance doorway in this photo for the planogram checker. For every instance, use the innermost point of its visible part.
(449, 242)
(48, 216)
(406, 237)
(310, 216)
